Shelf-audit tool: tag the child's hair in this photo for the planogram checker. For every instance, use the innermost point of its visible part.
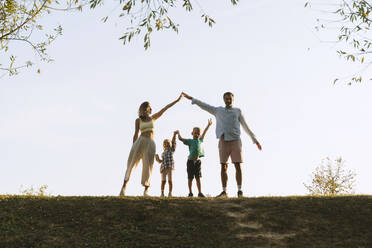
(197, 128)
(168, 141)
(142, 110)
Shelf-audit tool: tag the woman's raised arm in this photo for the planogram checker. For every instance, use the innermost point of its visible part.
(158, 114)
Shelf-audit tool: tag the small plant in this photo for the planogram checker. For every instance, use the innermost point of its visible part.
(331, 178)
(35, 192)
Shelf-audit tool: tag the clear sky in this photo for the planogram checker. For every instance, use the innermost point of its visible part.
(71, 126)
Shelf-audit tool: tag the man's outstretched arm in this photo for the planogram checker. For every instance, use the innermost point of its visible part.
(210, 109)
(248, 131)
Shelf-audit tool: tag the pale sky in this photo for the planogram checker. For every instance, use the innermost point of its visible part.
(71, 126)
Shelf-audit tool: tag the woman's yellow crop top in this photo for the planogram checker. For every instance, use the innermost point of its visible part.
(146, 126)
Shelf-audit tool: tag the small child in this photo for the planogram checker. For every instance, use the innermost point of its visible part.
(196, 152)
(167, 163)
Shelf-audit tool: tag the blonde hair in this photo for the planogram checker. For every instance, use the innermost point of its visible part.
(142, 110)
(168, 141)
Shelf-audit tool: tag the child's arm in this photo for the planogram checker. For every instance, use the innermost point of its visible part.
(179, 136)
(174, 140)
(206, 129)
(158, 159)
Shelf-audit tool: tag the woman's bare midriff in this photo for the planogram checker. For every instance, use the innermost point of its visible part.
(148, 134)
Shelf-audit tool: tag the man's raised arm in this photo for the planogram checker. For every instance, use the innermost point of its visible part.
(210, 109)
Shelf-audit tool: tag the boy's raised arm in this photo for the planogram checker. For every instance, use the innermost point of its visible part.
(206, 129)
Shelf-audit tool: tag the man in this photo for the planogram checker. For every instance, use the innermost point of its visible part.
(228, 121)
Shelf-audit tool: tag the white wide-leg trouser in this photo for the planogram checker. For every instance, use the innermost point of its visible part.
(143, 148)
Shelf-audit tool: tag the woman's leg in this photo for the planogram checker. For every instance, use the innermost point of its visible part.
(148, 162)
(133, 160)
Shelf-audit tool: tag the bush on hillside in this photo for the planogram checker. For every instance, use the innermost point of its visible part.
(331, 178)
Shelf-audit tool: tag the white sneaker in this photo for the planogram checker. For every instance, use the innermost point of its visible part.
(145, 193)
(170, 194)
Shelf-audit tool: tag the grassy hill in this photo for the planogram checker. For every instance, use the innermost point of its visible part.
(181, 222)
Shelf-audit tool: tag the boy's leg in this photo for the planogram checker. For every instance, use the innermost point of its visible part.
(190, 175)
(198, 184)
(190, 186)
(198, 175)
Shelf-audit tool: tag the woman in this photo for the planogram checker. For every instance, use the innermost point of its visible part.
(144, 146)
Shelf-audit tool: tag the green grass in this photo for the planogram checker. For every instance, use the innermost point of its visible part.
(181, 222)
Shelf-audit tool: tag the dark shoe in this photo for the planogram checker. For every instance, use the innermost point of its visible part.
(240, 193)
(191, 195)
(222, 195)
(201, 195)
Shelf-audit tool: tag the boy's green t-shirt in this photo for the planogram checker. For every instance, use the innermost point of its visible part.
(195, 148)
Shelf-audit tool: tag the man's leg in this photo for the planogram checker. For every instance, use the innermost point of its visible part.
(224, 152)
(237, 159)
(224, 176)
(223, 179)
(238, 177)
(238, 174)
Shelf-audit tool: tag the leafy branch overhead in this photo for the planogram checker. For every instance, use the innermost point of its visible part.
(20, 25)
(352, 19)
(146, 16)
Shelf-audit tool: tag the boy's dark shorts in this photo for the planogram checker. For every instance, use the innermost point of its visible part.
(193, 169)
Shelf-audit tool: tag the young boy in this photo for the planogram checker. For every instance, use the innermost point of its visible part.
(196, 152)
(167, 163)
